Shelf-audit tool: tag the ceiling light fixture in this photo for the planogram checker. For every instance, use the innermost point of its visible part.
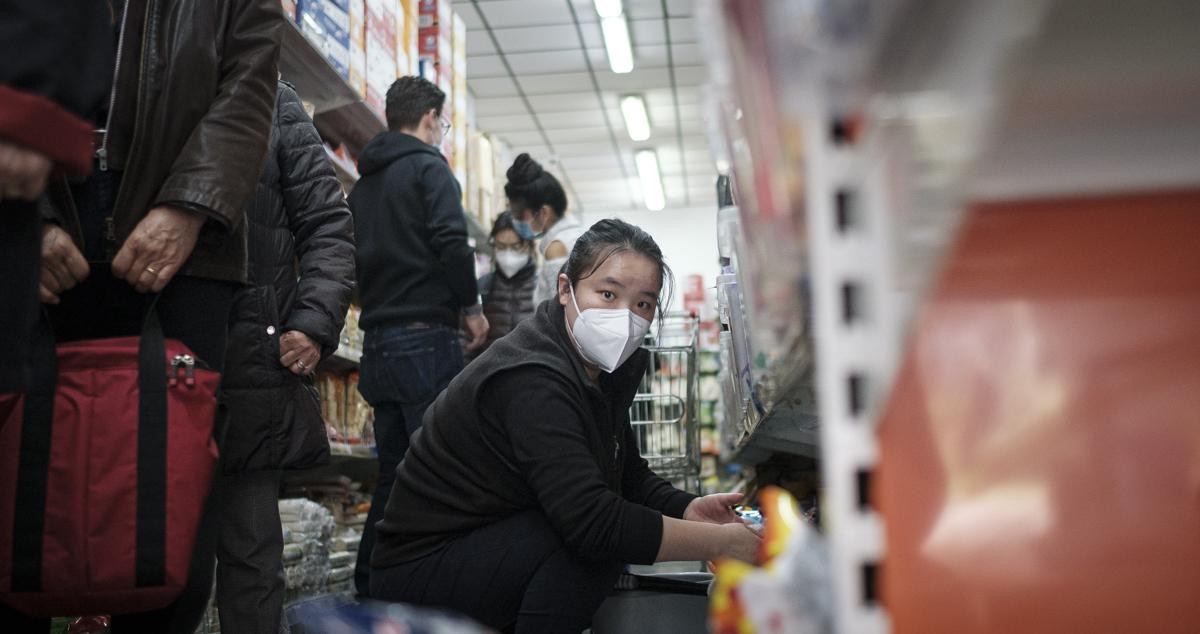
(637, 123)
(609, 8)
(616, 35)
(652, 189)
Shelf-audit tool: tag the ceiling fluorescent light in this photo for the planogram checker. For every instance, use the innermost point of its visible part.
(609, 8)
(633, 108)
(652, 189)
(616, 43)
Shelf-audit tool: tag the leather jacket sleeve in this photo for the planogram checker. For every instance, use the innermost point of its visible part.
(219, 166)
(321, 224)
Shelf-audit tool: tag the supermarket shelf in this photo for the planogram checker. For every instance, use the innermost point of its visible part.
(352, 125)
(346, 171)
(356, 464)
(789, 428)
(340, 113)
(344, 452)
(344, 359)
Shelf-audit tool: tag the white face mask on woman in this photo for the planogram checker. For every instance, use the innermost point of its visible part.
(511, 262)
(607, 337)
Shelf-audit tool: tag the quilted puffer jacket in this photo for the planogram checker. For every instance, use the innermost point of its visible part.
(301, 274)
(507, 301)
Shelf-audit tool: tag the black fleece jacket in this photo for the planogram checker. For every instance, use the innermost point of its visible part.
(523, 427)
(413, 259)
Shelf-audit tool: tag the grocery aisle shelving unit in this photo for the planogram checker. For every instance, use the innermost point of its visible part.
(886, 104)
(914, 118)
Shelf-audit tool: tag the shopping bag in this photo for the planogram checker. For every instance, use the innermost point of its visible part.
(105, 467)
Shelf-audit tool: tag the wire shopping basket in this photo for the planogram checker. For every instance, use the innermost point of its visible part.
(663, 414)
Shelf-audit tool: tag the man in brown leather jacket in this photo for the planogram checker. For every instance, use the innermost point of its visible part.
(179, 144)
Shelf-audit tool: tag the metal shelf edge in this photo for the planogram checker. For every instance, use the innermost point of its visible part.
(785, 429)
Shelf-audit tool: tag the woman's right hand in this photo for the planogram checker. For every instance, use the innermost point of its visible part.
(63, 266)
(740, 542)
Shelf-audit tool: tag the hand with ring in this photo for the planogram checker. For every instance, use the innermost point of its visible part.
(157, 248)
(298, 352)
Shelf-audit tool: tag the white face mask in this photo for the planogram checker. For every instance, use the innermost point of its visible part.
(511, 262)
(607, 337)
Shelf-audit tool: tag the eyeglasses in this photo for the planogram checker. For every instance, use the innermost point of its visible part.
(445, 125)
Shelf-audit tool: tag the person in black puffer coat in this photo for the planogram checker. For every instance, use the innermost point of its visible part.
(508, 290)
(301, 274)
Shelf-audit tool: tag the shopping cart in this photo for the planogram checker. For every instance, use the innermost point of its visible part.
(663, 414)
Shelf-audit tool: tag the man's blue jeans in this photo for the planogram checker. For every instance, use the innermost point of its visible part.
(403, 369)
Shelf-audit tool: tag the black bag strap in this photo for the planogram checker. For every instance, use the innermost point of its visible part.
(33, 464)
(151, 557)
(33, 468)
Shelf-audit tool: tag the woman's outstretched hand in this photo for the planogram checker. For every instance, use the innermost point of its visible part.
(713, 509)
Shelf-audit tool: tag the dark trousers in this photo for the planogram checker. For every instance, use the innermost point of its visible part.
(515, 575)
(250, 582)
(403, 370)
(190, 309)
(21, 262)
(196, 312)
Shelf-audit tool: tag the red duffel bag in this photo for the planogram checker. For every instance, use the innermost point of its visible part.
(105, 466)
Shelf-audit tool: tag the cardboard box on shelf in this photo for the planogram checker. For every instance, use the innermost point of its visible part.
(482, 162)
(427, 68)
(380, 51)
(358, 45)
(381, 72)
(331, 17)
(458, 46)
(326, 24)
(403, 63)
(336, 16)
(434, 44)
(358, 22)
(428, 41)
(408, 25)
(483, 204)
(339, 58)
(358, 69)
(309, 19)
(434, 12)
(382, 20)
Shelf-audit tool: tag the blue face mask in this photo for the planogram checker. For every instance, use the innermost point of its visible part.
(525, 230)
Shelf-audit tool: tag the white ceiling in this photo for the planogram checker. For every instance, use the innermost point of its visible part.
(541, 82)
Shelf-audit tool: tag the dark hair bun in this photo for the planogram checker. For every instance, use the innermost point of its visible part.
(524, 170)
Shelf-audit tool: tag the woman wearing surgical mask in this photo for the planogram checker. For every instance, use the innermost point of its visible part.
(508, 290)
(523, 495)
(539, 207)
